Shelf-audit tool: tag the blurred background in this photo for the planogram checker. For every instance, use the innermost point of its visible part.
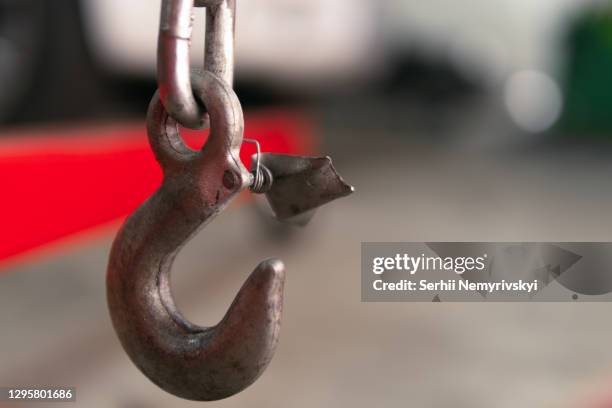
(456, 120)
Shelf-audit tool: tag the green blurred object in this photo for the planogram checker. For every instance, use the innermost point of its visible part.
(588, 75)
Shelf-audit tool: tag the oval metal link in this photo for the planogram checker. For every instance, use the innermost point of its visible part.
(173, 67)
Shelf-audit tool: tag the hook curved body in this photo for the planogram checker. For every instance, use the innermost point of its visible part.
(189, 361)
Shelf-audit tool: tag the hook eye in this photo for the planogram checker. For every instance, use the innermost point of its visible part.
(226, 124)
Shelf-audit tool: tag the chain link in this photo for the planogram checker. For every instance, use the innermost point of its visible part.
(173, 57)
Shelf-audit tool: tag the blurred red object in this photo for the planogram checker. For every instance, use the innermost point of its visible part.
(61, 182)
(599, 403)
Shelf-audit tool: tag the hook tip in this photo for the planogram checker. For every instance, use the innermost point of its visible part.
(269, 274)
(273, 265)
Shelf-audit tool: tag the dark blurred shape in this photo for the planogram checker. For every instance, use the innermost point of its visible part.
(58, 78)
(433, 82)
(21, 35)
(588, 84)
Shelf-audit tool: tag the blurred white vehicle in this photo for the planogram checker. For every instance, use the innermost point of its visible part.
(303, 46)
(294, 43)
(309, 41)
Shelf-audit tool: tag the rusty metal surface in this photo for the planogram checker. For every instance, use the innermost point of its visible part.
(189, 361)
(301, 184)
(184, 359)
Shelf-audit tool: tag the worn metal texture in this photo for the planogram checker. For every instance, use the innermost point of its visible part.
(173, 70)
(186, 360)
(301, 184)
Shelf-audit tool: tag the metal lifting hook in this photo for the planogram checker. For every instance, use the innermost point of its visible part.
(189, 361)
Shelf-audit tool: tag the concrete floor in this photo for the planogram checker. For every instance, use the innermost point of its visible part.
(336, 351)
